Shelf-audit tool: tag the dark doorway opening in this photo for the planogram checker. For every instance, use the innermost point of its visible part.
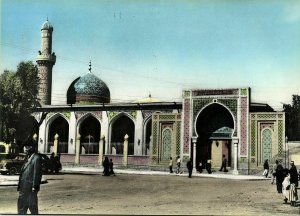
(59, 126)
(214, 125)
(122, 126)
(90, 130)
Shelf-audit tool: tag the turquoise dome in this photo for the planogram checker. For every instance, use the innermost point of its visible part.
(88, 89)
(47, 26)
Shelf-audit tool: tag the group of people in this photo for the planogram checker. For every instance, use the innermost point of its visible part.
(108, 167)
(178, 164)
(189, 166)
(286, 180)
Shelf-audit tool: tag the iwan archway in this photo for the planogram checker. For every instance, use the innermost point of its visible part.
(214, 128)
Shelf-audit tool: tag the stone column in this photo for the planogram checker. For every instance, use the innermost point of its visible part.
(77, 149)
(100, 158)
(194, 140)
(55, 144)
(235, 156)
(125, 151)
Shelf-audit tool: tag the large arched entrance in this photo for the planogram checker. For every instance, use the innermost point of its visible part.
(90, 130)
(120, 127)
(58, 126)
(214, 127)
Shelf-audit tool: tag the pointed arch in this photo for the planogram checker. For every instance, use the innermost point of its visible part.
(119, 126)
(58, 124)
(89, 127)
(208, 106)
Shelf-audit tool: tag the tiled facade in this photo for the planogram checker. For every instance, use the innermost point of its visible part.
(248, 138)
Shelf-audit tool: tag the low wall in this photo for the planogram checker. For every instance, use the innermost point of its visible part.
(93, 159)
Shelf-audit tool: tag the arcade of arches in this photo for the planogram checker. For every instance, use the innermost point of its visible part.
(204, 126)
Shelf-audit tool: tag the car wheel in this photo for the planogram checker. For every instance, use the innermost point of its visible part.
(13, 171)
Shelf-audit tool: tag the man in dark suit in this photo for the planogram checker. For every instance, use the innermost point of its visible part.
(294, 174)
(29, 182)
(189, 166)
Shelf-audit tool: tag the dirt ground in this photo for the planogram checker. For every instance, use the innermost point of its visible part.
(152, 195)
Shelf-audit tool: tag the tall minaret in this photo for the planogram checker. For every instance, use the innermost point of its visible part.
(45, 61)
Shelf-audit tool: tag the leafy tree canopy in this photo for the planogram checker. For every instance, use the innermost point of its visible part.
(18, 95)
(292, 119)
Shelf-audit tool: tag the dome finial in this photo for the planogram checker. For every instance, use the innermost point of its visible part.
(90, 68)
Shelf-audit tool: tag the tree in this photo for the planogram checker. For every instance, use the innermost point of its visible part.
(18, 96)
(292, 118)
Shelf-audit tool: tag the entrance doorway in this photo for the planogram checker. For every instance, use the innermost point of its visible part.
(214, 127)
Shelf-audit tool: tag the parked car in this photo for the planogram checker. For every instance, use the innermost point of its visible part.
(11, 161)
(12, 164)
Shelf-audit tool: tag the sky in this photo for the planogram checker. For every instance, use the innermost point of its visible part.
(161, 47)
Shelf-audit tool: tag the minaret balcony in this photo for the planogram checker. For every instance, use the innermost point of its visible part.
(46, 57)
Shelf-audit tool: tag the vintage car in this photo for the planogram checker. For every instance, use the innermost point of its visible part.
(12, 164)
(11, 161)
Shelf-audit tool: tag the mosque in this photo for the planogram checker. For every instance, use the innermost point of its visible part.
(205, 125)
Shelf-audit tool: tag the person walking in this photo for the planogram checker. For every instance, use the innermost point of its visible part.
(208, 166)
(286, 184)
(224, 162)
(280, 175)
(266, 168)
(189, 166)
(29, 182)
(111, 168)
(178, 163)
(293, 195)
(53, 162)
(106, 166)
(294, 174)
(274, 171)
(171, 165)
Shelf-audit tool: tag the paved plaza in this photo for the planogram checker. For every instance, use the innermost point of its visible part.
(85, 191)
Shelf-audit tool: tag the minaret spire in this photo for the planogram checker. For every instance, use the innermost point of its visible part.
(45, 61)
(90, 67)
